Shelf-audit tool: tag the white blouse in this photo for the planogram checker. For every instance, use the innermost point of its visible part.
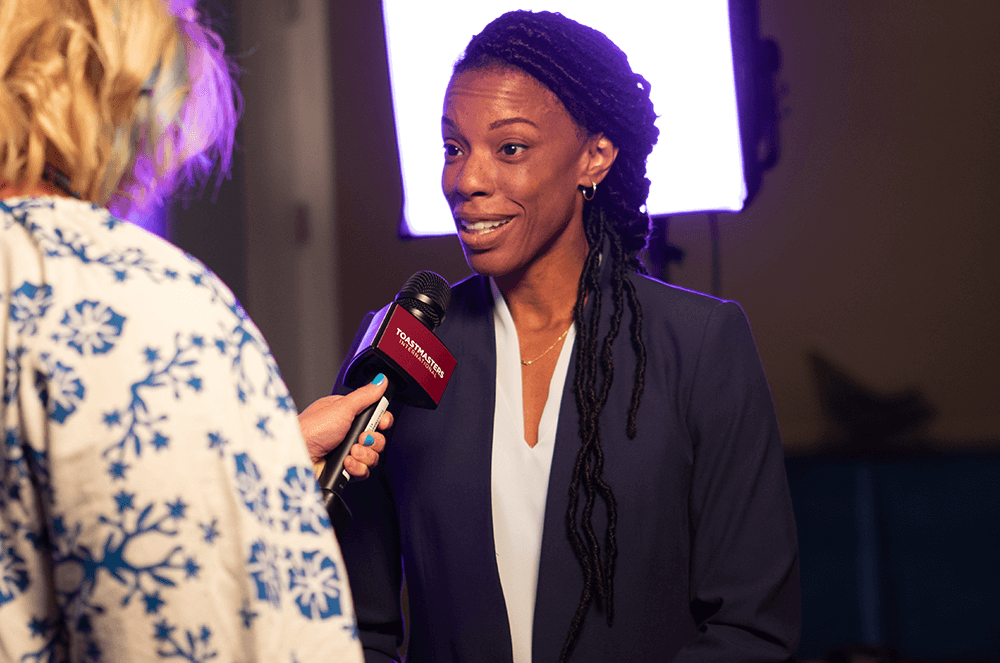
(520, 477)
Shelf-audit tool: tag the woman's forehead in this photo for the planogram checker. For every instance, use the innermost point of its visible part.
(503, 90)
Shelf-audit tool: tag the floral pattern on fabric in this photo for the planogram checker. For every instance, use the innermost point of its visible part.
(156, 498)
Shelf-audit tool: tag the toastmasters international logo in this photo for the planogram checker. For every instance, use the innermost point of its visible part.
(414, 349)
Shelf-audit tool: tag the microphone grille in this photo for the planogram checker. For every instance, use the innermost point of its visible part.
(426, 295)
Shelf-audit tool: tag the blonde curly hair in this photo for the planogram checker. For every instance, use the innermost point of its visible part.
(132, 99)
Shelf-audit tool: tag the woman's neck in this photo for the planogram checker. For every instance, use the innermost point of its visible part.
(37, 190)
(543, 296)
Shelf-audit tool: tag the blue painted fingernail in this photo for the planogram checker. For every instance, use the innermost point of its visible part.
(379, 379)
(369, 440)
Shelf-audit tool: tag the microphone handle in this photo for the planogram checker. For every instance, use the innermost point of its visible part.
(334, 477)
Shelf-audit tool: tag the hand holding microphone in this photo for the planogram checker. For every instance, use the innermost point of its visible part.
(400, 345)
(325, 423)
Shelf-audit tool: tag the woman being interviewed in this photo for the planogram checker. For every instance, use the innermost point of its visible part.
(603, 475)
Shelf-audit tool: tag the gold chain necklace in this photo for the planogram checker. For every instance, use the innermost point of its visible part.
(561, 337)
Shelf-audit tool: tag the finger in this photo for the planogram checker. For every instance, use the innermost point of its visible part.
(386, 421)
(373, 440)
(362, 397)
(356, 468)
(365, 455)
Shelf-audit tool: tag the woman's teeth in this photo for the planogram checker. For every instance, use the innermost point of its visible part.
(483, 227)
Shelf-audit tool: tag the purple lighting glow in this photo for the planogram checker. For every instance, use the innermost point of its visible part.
(683, 48)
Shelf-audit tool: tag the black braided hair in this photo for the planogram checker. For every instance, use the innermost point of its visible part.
(593, 80)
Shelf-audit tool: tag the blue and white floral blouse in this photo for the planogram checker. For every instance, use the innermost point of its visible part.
(156, 498)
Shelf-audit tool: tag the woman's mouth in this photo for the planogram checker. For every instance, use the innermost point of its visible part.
(481, 226)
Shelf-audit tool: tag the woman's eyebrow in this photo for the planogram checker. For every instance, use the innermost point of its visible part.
(511, 120)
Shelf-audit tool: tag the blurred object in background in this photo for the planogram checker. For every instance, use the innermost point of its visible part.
(900, 552)
(867, 422)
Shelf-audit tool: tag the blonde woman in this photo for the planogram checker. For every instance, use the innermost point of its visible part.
(156, 497)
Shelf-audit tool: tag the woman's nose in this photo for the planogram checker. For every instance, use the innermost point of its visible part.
(473, 177)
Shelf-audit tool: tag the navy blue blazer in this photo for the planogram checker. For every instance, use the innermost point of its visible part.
(707, 565)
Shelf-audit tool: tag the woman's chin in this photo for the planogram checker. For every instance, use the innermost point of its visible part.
(487, 263)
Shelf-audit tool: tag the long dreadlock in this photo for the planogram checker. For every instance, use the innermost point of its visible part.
(593, 80)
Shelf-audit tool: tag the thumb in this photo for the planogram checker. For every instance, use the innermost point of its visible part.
(362, 397)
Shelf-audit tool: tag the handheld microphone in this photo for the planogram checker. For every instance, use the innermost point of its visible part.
(399, 343)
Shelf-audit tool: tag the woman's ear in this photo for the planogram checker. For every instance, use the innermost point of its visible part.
(600, 155)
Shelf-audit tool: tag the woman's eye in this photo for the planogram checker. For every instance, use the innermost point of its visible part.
(451, 150)
(513, 149)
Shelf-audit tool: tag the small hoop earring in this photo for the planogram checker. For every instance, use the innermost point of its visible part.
(592, 189)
